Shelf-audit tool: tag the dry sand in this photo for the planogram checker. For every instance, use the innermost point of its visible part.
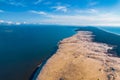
(79, 58)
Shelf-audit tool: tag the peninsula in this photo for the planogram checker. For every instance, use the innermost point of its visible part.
(80, 58)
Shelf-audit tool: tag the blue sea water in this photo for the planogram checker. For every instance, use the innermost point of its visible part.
(115, 30)
(23, 47)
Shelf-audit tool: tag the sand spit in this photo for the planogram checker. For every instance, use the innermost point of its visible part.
(79, 58)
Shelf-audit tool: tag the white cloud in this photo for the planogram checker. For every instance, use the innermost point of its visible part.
(60, 8)
(24, 22)
(16, 4)
(93, 3)
(9, 22)
(83, 20)
(93, 11)
(1, 21)
(88, 11)
(17, 23)
(1, 11)
(38, 12)
(47, 3)
(38, 1)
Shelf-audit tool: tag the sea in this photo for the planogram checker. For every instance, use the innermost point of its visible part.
(24, 47)
(114, 30)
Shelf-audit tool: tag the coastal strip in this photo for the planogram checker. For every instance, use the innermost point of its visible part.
(80, 58)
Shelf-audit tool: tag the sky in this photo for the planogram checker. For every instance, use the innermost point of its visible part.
(62, 12)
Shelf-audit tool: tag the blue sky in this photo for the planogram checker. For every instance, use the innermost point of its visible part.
(63, 12)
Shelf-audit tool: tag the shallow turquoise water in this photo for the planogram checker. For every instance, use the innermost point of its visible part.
(23, 47)
(115, 30)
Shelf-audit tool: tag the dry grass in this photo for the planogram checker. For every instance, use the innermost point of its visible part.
(79, 58)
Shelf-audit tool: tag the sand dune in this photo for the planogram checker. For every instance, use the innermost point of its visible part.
(79, 58)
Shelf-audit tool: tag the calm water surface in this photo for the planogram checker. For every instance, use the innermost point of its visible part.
(23, 47)
(115, 30)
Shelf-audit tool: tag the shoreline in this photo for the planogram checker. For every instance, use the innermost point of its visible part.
(103, 36)
(39, 68)
(47, 65)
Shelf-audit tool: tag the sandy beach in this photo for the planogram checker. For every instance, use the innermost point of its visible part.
(80, 58)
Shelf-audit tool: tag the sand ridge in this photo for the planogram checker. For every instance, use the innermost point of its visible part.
(79, 58)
